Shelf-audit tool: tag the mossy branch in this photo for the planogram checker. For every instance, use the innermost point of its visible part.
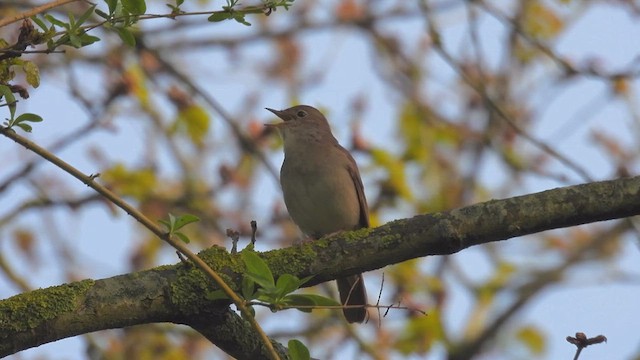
(178, 293)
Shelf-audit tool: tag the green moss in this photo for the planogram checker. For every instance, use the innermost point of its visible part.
(25, 311)
(289, 260)
(192, 283)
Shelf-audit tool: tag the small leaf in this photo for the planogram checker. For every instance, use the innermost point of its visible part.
(185, 239)
(28, 117)
(86, 39)
(112, 4)
(286, 284)
(126, 36)
(103, 14)
(25, 127)
(267, 288)
(239, 17)
(172, 222)
(56, 22)
(166, 224)
(257, 269)
(184, 220)
(248, 288)
(299, 302)
(85, 16)
(75, 41)
(9, 99)
(298, 351)
(219, 16)
(39, 22)
(32, 73)
(72, 22)
(135, 7)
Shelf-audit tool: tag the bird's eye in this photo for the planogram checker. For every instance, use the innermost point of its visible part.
(301, 113)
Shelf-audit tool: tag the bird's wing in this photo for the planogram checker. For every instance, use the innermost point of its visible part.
(357, 182)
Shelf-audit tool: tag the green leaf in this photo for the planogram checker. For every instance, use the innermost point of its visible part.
(87, 39)
(286, 284)
(266, 288)
(25, 127)
(56, 22)
(219, 16)
(10, 99)
(248, 288)
(32, 73)
(135, 7)
(112, 4)
(310, 299)
(84, 17)
(75, 41)
(172, 222)
(297, 350)
(170, 225)
(299, 302)
(28, 117)
(257, 269)
(183, 220)
(185, 239)
(72, 21)
(239, 17)
(40, 23)
(103, 14)
(166, 224)
(126, 36)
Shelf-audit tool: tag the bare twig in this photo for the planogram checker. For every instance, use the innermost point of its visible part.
(151, 226)
(34, 11)
(488, 100)
(581, 341)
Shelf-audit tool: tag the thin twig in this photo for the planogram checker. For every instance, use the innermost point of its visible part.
(34, 11)
(480, 89)
(151, 226)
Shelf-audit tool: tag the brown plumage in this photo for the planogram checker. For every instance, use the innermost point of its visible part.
(322, 189)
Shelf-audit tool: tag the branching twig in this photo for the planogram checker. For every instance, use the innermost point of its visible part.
(488, 100)
(146, 222)
(581, 341)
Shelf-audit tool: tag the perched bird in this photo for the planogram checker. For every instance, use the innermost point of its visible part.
(322, 189)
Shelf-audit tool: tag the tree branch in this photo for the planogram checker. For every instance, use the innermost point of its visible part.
(179, 293)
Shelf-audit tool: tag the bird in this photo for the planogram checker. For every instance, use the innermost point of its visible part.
(322, 189)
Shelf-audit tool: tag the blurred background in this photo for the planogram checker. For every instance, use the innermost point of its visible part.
(442, 103)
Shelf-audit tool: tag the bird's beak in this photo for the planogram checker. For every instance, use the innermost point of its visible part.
(279, 114)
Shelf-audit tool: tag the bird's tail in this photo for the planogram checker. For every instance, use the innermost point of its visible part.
(352, 293)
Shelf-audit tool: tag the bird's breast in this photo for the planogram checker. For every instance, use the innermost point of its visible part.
(319, 193)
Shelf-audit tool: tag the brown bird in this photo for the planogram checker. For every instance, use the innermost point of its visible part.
(322, 189)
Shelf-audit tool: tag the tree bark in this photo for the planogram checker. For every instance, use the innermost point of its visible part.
(178, 293)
